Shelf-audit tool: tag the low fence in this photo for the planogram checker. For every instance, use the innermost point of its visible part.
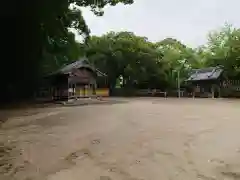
(147, 93)
(226, 91)
(48, 95)
(230, 88)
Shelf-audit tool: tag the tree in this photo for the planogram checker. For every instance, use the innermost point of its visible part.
(177, 57)
(42, 35)
(132, 57)
(223, 48)
(144, 64)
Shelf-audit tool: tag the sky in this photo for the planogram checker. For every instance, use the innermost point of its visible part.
(189, 21)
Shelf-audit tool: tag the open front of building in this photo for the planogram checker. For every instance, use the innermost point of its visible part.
(82, 83)
(206, 82)
(76, 80)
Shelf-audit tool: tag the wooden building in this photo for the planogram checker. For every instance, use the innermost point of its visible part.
(206, 82)
(75, 80)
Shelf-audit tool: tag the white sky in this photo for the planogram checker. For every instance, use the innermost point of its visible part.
(187, 20)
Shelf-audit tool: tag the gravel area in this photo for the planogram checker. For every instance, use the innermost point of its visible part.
(130, 139)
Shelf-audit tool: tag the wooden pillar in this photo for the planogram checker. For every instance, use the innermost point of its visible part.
(68, 88)
(193, 92)
(74, 90)
(219, 91)
(77, 91)
(52, 93)
(58, 93)
(84, 93)
(94, 87)
(87, 90)
(212, 90)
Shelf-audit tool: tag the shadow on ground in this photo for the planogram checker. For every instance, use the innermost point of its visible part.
(94, 102)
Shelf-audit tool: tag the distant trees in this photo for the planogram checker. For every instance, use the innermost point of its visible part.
(133, 58)
(144, 64)
(43, 42)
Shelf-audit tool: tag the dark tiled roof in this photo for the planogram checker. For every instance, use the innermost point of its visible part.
(99, 73)
(81, 63)
(211, 73)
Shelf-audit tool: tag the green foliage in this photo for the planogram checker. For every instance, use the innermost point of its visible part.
(127, 55)
(60, 46)
(224, 49)
(44, 43)
(43, 40)
(144, 64)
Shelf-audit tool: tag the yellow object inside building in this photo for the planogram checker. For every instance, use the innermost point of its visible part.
(99, 92)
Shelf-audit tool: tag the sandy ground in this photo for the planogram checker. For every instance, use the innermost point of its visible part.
(134, 139)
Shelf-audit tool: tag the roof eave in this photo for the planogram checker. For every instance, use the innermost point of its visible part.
(100, 73)
(195, 80)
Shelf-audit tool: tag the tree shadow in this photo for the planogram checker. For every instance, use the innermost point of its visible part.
(95, 102)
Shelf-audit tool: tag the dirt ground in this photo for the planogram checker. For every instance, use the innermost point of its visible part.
(134, 139)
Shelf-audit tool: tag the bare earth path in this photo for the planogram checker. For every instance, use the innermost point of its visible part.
(140, 139)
